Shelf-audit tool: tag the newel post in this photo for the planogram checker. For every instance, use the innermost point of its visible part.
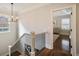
(32, 43)
(9, 50)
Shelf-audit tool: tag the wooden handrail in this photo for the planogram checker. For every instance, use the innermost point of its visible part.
(10, 46)
(18, 40)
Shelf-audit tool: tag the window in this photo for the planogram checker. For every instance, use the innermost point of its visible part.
(4, 25)
(65, 24)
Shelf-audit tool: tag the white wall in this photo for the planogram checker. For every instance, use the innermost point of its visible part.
(7, 36)
(22, 29)
(36, 19)
(39, 20)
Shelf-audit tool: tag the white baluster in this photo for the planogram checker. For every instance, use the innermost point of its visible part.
(33, 44)
(9, 50)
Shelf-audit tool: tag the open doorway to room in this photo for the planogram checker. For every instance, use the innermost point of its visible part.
(62, 30)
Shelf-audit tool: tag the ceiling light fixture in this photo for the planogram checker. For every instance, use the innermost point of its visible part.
(12, 12)
(13, 18)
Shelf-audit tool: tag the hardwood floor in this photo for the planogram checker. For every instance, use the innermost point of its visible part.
(59, 48)
(63, 41)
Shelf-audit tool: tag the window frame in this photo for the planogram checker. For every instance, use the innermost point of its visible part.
(6, 16)
(65, 24)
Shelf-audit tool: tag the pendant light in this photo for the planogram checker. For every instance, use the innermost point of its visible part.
(12, 12)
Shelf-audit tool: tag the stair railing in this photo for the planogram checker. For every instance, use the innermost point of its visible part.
(10, 46)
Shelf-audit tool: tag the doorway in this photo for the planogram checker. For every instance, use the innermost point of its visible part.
(62, 29)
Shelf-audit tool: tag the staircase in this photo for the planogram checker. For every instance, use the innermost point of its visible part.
(16, 49)
(57, 51)
(16, 53)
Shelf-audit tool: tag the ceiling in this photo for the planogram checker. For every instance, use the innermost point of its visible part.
(5, 8)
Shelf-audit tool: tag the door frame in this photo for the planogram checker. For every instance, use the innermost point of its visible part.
(73, 25)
